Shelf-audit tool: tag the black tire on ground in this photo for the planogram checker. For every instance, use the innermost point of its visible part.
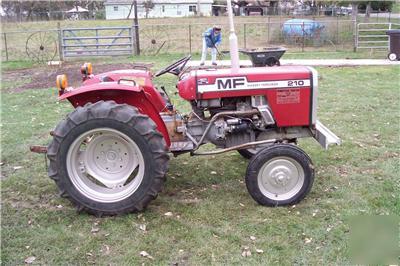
(128, 126)
(279, 175)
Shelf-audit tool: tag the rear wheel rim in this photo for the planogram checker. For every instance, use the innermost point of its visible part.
(281, 178)
(105, 165)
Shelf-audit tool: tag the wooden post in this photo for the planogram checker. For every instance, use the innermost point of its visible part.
(337, 29)
(304, 33)
(190, 39)
(244, 36)
(60, 44)
(5, 45)
(355, 36)
(136, 28)
(97, 41)
(269, 29)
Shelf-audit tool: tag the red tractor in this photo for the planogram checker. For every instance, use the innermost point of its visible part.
(110, 155)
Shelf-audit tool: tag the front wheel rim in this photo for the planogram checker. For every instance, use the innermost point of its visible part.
(281, 178)
(105, 165)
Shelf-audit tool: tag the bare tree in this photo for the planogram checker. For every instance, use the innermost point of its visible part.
(367, 12)
(354, 10)
(148, 5)
(130, 9)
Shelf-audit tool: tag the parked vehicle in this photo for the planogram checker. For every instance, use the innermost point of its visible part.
(110, 154)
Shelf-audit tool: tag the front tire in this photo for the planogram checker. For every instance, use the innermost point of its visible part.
(279, 175)
(108, 159)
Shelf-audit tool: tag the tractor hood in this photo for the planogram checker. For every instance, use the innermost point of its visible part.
(141, 77)
(102, 86)
(218, 83)
(291, 91)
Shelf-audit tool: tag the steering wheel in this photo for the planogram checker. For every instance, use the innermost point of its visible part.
(173, 67)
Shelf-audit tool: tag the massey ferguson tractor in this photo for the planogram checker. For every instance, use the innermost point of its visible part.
(110, 154)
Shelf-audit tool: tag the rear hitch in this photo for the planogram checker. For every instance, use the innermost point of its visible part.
(42, 150)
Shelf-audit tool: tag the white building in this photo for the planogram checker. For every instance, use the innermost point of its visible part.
(119, 9)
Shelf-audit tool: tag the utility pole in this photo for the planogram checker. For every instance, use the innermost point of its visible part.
(233, 42)
(136, 28)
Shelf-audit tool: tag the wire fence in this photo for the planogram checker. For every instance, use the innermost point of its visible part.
(323, 35)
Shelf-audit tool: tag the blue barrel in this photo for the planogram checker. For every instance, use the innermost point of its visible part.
(302, 28)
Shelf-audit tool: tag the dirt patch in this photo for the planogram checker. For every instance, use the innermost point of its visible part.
(45, 77)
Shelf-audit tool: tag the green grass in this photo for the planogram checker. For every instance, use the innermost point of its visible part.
(11, 65)
(213, 215)
(166, 59)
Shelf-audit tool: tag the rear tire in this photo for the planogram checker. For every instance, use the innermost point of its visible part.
(279, 175)
(108, 158)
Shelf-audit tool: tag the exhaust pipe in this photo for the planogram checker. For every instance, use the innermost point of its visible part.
(233, 42)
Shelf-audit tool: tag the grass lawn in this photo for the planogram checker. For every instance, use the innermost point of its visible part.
(213, 216)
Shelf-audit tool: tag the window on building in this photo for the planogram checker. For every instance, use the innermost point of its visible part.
(115, 8)
(163, 8)
(192, 9)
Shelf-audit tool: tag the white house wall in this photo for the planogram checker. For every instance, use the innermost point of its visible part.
(121, 13)
(159, 11)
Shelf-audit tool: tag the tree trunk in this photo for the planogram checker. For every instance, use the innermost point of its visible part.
(367, 12)
(354, 13)
(130, 9)
(18, 11)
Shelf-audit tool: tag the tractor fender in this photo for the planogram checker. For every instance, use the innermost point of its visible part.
(121, 94)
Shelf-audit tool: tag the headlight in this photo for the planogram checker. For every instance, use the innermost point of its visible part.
(62, 82)
(86, 69)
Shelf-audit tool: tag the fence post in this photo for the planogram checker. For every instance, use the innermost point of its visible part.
(337, 29)
(190, 39)
(135, 39)
(244, 35)
(136, 27)
(355, 35)
(269, 29)
(304, 33)
(5, 45)
(97, 41)
(60, 44)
